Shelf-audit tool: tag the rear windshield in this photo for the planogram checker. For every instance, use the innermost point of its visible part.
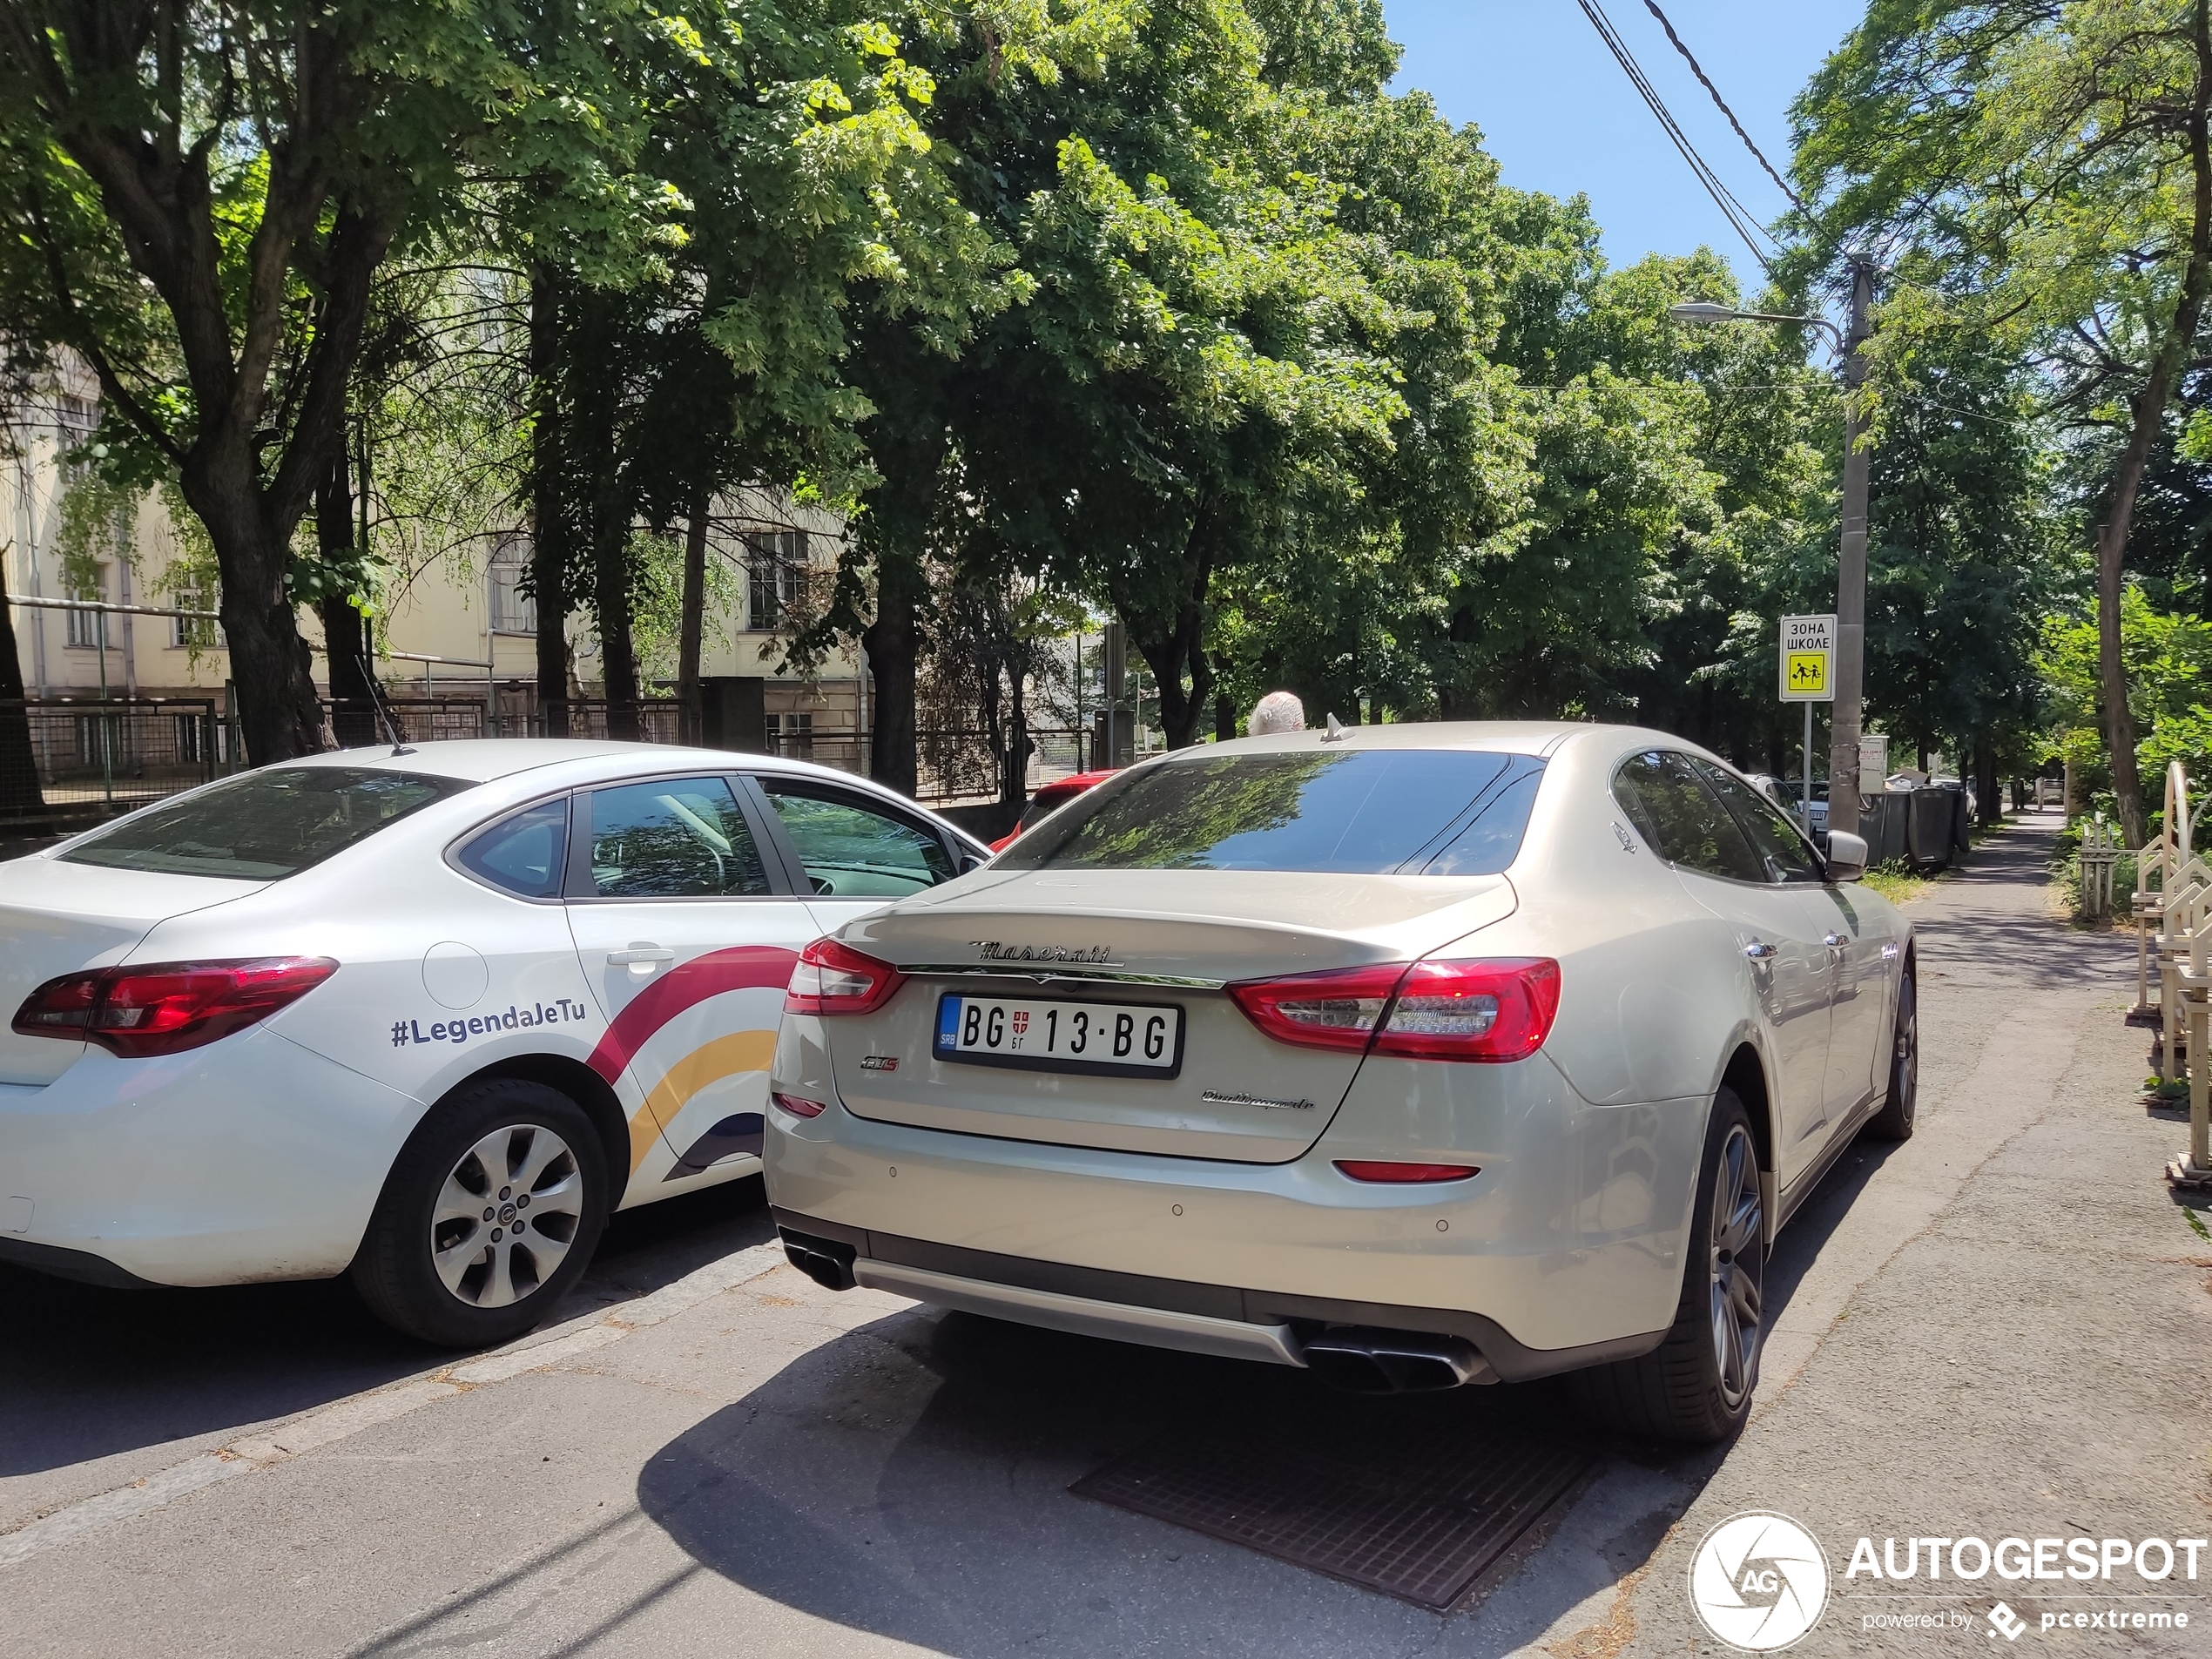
(1425, 812)
(265, 826)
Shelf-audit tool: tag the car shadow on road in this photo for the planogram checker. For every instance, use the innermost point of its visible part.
(88, 1372)
(910, 1479)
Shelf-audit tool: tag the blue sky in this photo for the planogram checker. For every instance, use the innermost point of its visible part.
(1561, 117)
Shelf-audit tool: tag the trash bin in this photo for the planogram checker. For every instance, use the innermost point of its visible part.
(1927, 839)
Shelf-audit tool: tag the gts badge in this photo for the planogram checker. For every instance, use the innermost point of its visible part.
(878, 1062)
(1628, 844)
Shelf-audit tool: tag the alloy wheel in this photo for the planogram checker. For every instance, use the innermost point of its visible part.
(1738, 1266)
(506, 1216)
(1905, 1070)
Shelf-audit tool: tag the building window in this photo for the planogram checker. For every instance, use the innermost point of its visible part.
(775, 565)
(512, 611)
(84, 630)
(195, 633)
(794, 735)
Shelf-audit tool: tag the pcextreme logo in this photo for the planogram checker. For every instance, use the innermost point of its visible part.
(1758, 1581)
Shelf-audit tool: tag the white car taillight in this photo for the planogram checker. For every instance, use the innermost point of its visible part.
(831, 978)
(166, 1008)
(1494, 1009)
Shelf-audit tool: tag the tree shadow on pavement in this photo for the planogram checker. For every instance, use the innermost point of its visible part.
(89, 1371)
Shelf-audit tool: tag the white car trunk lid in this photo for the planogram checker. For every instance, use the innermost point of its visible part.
(60, 918)
(1149, 938)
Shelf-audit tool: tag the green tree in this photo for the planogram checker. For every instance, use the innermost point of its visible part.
(199, 201)
(2042, 172)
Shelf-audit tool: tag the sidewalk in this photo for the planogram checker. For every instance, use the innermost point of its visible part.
(2000, 1329)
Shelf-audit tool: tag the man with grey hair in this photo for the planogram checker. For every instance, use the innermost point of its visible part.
(1276, 711)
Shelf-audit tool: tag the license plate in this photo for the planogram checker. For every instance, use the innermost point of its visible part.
(1115, 1039)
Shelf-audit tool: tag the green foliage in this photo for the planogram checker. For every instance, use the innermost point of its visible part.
(2168, 660)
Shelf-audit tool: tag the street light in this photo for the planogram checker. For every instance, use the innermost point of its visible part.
(1850, 561)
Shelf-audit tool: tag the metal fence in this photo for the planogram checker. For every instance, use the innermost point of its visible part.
(83, 758)
(107, 752)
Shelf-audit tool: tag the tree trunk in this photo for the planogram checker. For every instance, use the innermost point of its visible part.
(893, 646)
(1183, 644)
(549, 519)
(280, 715)
(1224, 719)
(1989, 802)
(353, 708)
(618, 652)
(19, 791)
(1013, 758)
(2146, 420)
(691, 625)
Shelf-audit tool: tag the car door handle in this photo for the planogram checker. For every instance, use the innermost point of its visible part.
(640, 953)
(1758, 950)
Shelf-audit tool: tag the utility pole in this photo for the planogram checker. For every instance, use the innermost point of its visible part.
(1850, 574)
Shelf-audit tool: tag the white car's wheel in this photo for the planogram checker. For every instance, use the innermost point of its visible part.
(1697, 1383)
(489, 1214)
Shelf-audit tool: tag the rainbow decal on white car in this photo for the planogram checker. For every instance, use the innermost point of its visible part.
(695, 1047)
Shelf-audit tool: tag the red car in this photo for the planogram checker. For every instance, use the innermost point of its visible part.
(1049, 799)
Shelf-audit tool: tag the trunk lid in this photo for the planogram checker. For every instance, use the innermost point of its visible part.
(58, 918)
(1153, 938)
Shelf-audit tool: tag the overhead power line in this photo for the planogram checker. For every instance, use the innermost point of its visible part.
(1738, 216)
(1705, 81)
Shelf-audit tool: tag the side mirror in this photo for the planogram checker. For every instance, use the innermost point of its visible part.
(1846, 856)
(969, 862)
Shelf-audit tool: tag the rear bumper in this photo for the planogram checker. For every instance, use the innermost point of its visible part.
(250, 1159)
(1266, 1325)
(1564, 1252)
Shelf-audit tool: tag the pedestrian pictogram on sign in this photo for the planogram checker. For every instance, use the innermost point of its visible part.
(1808, 672)
(1808, 659)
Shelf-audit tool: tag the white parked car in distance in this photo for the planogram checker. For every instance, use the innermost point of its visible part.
(1417, 1055)
(427, 1014)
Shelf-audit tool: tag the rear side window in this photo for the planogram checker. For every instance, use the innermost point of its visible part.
(1684, 820)
(851, 851)
(265, 825)
(526, 852)
(675, 838)
(1425, 812)
(1781, 851)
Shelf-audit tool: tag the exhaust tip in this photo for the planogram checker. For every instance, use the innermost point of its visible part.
(828, 1263)
(1366, 1361)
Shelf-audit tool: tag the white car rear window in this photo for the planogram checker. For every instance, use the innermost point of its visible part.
(1412, 811)
(265, 825)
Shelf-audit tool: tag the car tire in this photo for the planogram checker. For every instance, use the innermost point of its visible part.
(1697, 1385)
(1894, 1121)
(491, 1212)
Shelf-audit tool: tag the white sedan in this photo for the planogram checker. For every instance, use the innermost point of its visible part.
(1417, 1054)
(428, 1015)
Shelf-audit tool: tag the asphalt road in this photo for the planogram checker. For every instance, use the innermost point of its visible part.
(1998, 1329)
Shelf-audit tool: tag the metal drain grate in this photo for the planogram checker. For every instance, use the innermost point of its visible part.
(1417, 1521)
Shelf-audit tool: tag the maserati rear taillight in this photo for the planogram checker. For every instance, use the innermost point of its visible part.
(1497, 1009)
(1494, 1009)
(164, 1008)
(1338, 1009)
(831, 978)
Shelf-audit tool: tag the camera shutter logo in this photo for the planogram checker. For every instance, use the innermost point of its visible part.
(1758, 1581)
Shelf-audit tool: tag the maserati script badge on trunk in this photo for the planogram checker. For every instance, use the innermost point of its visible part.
(1213, 1097)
